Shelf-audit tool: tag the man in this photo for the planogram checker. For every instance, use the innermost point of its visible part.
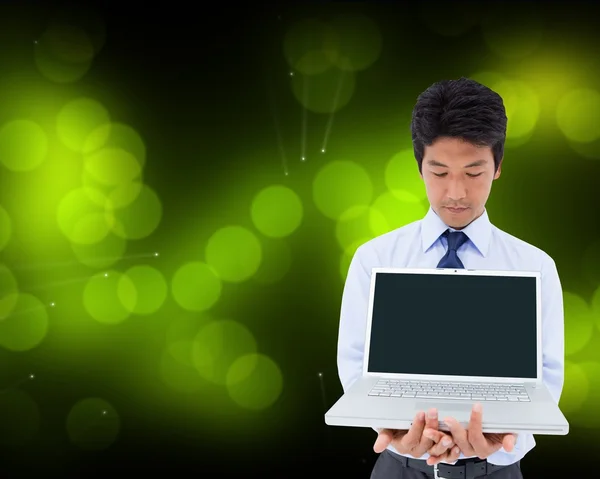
(458, 133)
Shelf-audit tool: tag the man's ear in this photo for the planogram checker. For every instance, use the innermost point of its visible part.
(499, 170)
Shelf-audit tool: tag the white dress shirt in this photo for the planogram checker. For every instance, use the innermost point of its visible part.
(420, 245)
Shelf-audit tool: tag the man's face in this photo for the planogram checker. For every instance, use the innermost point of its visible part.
(458, 178)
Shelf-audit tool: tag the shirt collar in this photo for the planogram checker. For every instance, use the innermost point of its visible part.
(479, 231)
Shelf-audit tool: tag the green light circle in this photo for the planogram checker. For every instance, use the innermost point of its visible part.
(93, 424)
(63, 53)
(575, 389)
(402, 177)
(77, 120)
(139, 218)
(9, 292)
(587, 415)
(511, 36)
(109, 299)
(112, 166)
(325, 92)
(101, 255)
(150, 286)
(276, 261)
(276, 211)
(339, 186)
(19, 416)
(354, 42)
(196, 287)
(254, 381)
(354, 223)
(303, 47)
(216, 347)
(389, 213)
(178, 376)
(579, 323)
(181, 333)
(522, 108)
(5, 228)
(578, 115)
(117, 136)
(26, 326)
(235, 253)
(81, 218)
(348, 255)
(23, 145)
(595, 306)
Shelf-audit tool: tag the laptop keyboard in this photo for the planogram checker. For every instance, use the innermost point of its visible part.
(449, 390)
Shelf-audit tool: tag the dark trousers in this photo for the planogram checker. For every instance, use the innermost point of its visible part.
(393, 466)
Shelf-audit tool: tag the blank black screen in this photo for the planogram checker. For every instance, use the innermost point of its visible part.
(454, 325)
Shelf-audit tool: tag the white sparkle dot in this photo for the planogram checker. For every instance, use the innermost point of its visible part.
(320, 375)
(156, 254)
(52, 305)
(323, 150)
(31, 376)
(104, 412)
(286, 173)
(106, 275)
(303, 158)
(291, 74)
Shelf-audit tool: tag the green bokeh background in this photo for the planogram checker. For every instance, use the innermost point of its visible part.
(179, 207)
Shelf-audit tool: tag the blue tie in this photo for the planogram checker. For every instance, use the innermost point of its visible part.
(455, 240)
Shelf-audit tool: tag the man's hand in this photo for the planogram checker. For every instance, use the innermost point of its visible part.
(473, 442)
(411, 442)
(443, 449)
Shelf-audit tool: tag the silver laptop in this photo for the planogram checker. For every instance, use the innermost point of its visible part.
(447, 339)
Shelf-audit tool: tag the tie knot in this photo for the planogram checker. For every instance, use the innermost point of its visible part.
(455, 239)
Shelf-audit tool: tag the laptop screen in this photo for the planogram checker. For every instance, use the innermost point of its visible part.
(454, 324)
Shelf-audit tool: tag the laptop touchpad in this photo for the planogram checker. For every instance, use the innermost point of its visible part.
(446, 409)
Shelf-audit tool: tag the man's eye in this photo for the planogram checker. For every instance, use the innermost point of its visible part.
(473, 175)
(440, 175)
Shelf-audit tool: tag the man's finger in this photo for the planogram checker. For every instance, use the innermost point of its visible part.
(414, 434)
(509, 441)
(480, 444)
(441, 446)
(453, 455)
(383, 440)
(459, 434)
(431, 422)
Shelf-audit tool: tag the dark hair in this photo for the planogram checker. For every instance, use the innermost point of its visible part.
(463, 109)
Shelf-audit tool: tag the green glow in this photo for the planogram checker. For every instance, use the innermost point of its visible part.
(276, 211)
(512, 36)
(254, 381)
(575, 389)
(139, 218)
(63, 54)
(402, 177)
(276, 261)
(125, 194)
(355, 224)
(590, 263)
(178, 376)
(26, 326)
(579, 323)
(389, 212)
(9, 291)
(578, 115)
(81, 218)
(595, 306)
(23, 145)
(181, 333)
(77, 120)
(101, 255)
(303, 47)
(347, 256)
(216, 347)
(112, 166)
(354, 42)
(19, 416)
(235, 253)
(325, 92)
(196, 287)
(93, 424)
(116, 136)
(5, 228)
(109, 297)
(522, 110)
(150, 286)
(587, 415)
(339, 186)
